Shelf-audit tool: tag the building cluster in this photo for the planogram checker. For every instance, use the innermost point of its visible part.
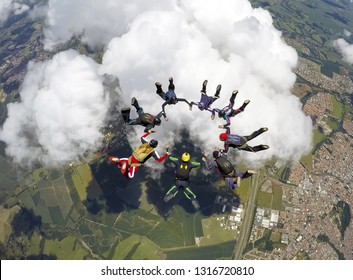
(310, 71)
(308, 214)
(267, 218)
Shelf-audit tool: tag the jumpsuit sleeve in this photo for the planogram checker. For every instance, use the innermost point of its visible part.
(163, 110)
(226, 126)
(173, 160)
(148, 128)
(226, 148)
(143, 137)
(210, 164)
(160, 114)
(195, 164)
(157, 157)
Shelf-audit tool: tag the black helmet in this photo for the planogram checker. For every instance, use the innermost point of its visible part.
(174, 100)
(221, 114)
(157, 121)
(153, 143)
(216, 154)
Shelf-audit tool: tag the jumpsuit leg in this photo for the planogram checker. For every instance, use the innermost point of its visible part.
(134, 122)
(204, 85)
(230, 182)
(255, 149)
(131, 171)
(159, 90)
(171, 193)
(190, 195)
(171, 86)
(125, 112)
(256, 133)
(232, 98)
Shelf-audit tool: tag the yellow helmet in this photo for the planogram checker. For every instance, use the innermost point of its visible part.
(185, 157)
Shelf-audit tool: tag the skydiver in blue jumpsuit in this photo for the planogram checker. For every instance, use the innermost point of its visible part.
(169, 96)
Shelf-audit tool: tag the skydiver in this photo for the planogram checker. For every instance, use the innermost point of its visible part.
(240, 142)
(145, 119)
(206, 101)
(169, 96)
(140, 155)
(226, 169)
(183, 167)
(228, 111)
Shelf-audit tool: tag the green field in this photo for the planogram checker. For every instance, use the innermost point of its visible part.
(81, 177)
(66, 249)
(264, 200)
(277, 197)
(318, 137)
(137, 248)
(34, 245)
(219, 251)
(307, 160)
(176, 231)
(214, 233)
(337, 108)
(243, 190)
(101, 238)
(275, 236)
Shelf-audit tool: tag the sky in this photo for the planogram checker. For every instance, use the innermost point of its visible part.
(228, 43)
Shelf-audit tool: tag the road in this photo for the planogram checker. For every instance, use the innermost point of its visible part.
(246, 225)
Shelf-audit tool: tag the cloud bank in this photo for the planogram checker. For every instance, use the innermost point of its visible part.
(11, 6)
(237, 47)
(345, 49)
(62, 109)
(227, 42)
(97, 22)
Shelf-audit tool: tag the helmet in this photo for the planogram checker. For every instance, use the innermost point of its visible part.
(223, 136)
(221, 114)
(185, 157)
(153, 143)
(201, 106)
(174, 100)
(157, 121)
(216, 154)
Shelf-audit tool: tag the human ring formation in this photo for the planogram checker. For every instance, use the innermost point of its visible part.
(183, 166)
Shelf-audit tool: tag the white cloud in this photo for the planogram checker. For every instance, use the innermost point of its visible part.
(96, 21)
(345, 49)
(226, 42)
(11, 6)
(63, 106)
(237, 47)
(347, 33)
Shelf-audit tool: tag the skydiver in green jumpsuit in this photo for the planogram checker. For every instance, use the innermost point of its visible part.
(183, 167)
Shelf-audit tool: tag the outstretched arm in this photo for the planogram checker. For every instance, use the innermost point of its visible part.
(163, 110)
(209, 164)
(173, 160)
(157, 157)
(143, 137)
(160, 114)
(195, 164)
(226, 148)
(184, 100)
(161, 158)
